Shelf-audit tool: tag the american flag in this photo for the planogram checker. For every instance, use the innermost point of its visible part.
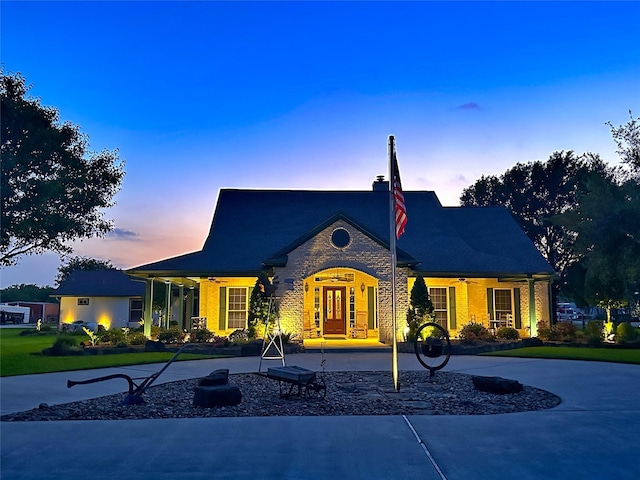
(398, 199)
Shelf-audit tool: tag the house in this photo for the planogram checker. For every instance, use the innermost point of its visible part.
(105, 297)
(330, 253)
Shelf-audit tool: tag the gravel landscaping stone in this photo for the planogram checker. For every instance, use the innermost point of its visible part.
(348, 393)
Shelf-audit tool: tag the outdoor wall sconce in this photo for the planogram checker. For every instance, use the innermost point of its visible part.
(306, 287)
(362, 287)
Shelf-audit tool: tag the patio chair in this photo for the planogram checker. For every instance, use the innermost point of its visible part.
(308, 327)
(361, 329)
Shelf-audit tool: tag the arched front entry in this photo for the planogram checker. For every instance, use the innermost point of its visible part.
(340, 303)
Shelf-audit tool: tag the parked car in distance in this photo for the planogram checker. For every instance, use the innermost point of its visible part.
(566, 313)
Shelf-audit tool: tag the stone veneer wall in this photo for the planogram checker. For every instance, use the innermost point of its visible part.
(543, 301)
(363, 254)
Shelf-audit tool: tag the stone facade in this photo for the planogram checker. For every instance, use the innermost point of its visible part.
(370, 263)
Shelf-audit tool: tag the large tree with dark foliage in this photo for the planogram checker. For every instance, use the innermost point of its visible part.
(72, 264)
(26, 293)
(535, 193)
(627, 138)
(607, 223)
(54, 189)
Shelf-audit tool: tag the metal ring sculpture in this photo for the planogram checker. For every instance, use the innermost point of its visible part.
(433, 347)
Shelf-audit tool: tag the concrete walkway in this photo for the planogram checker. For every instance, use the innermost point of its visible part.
(592, 434)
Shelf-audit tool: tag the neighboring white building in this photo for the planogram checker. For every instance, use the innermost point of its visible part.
(14, 314)
(105, 297)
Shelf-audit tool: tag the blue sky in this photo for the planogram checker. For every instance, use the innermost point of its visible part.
(200, 96)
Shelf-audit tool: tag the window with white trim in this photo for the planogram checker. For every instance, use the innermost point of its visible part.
(237, 307)
(438, 296)
(502, 303)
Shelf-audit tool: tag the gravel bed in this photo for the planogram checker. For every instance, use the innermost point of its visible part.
(348, 393)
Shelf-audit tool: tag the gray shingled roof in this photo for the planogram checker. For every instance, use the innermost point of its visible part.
(252, 226)
(99, 283)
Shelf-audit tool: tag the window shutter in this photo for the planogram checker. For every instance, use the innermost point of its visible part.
(516, 308)
(490, 304)
(222, 313)
(452, 308)
(371, 307)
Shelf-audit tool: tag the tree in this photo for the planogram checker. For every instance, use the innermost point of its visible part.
(54, 189)
(81, 263)
(627, 138)
(607, 223)
(536, 193)
(26, 293)
(258, 304)
(420, 307)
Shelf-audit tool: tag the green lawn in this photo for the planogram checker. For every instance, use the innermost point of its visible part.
(573, 353)
(20, 355)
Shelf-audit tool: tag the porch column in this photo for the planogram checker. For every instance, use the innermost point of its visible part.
(532, 307)
(148, 302)
(181, 307)
(189, 309)
(167, 304)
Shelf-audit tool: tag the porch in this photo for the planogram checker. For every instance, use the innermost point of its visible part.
(340, 343)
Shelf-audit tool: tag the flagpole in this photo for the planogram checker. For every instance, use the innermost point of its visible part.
(392, 247)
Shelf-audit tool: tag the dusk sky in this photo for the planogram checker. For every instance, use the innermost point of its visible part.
(199, 96)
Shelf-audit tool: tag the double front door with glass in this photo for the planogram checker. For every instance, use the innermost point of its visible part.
(334, 309)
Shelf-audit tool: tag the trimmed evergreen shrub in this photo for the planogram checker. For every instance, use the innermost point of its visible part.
(202, 335)
(507, 333)
(112, 336)
(137, 338)
(625, 332)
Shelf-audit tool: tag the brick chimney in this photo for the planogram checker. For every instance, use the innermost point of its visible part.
(380, 185)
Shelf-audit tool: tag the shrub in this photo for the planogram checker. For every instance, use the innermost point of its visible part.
(173, 335)
(112, 336)
(544, 330)
(286, 337)
(566, 331)
(30, 331)
(137, 338)
(201, 335)
(218, 342)
(507, 333)
(474, 332)
(594, 333)
(239, 336)
(64, 345)
(593, 329)
(625, 333)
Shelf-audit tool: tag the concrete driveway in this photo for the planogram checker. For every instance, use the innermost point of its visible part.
(592, 434)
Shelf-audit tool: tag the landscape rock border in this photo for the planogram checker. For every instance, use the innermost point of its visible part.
(348, 393)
